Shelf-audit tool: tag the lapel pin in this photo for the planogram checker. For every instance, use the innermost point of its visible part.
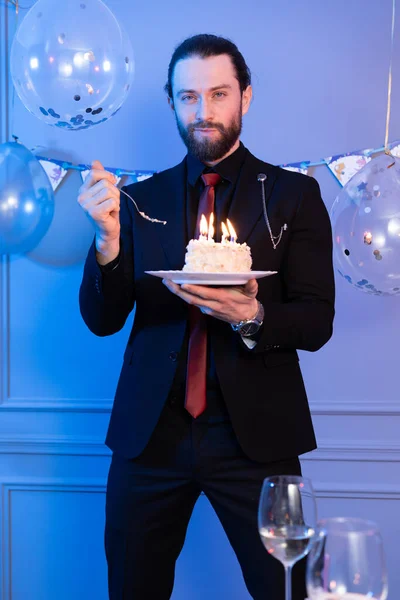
(275, 239)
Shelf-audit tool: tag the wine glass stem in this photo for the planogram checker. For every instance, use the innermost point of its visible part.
(288, 582)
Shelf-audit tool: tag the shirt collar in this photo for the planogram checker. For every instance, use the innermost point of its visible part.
(228, 168)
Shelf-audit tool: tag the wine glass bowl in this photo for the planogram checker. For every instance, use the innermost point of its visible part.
(347, 561)
(287, 518)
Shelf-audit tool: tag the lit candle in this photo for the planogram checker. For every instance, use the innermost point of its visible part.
(232, 232)
(211, 227)
(203, 228)
(225, 233)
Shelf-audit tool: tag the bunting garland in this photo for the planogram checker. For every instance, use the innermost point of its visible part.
(54, 172)
(342, 166)
(86, 172)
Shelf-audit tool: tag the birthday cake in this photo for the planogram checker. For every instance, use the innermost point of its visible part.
(205, 255)
(208, 256)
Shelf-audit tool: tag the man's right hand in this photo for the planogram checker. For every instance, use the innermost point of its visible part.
(100, 199)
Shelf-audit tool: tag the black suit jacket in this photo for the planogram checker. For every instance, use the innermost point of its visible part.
(263, 388)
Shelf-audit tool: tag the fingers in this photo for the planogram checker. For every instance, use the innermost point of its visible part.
(96, 164)
(101, 191)
(101, 212)
(251, 288)
(101, 205)
(203, 292)
(97, 173)
(188, 297)
(104, 185)
(226, 304)
(222, 293)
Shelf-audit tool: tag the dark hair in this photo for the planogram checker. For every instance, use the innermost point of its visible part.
(205, 45)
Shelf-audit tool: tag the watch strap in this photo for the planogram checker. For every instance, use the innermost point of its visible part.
(249, 327)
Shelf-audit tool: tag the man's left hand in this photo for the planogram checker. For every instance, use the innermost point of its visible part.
(231, 304)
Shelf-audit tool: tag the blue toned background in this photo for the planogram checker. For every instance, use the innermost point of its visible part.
(320, 82)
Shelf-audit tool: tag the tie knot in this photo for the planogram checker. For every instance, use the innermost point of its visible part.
(211, 178)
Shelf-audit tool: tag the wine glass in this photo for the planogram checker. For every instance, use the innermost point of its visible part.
(347, 561)
(287, 517)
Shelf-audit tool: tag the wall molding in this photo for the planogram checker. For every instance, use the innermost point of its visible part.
(53, 445)
(356, 407)
(361, 450)
(68, 445)
(87, 405)
(357, 491)
(104, 405)
(40, 485)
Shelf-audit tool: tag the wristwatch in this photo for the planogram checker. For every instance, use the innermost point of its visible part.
(249, 327)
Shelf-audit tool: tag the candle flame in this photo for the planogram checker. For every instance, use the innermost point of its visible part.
(203, 226)
(207, 230)
(232, 231)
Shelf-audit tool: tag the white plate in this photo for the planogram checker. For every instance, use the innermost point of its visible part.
(210, 278)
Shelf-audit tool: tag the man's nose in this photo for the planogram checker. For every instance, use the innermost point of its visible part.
(204, 110)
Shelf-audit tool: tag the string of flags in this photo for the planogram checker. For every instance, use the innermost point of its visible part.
(342, 166)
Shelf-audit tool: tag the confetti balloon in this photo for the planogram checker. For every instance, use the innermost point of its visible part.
(26, 199)
(366, 228)
(71, 63)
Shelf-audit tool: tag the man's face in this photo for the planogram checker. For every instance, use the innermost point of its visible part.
(208, 106)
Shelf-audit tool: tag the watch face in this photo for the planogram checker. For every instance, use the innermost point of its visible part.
(249, 329)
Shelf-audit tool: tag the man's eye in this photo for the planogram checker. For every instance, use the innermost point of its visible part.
(220, 94)
(187, 97)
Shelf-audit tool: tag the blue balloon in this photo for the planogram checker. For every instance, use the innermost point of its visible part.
(26, 199)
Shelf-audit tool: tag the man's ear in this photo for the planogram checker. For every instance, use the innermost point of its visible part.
(171, 104)
(246, 99)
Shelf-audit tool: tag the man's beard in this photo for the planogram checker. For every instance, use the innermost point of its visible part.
(210, 150)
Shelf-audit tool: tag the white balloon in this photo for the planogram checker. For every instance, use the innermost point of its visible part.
(366, 228)
(71, 63)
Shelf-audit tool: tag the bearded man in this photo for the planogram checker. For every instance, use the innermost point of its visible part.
(182, 425)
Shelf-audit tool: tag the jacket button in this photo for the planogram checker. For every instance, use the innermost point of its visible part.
(173, 356)
(172, 400)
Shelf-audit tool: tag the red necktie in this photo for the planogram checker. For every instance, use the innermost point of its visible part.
(195, 402)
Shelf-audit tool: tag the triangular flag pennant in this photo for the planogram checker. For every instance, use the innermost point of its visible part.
(296, 169)
(396, 151)
(54, 172)
(86, 172)
(344, 167)
(142, 176)
(299, 167)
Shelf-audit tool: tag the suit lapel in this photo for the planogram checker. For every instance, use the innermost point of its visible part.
(247, 206)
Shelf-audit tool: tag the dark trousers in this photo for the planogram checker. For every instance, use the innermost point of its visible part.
(150, 500)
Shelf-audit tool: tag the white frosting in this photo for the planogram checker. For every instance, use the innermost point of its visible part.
(207, 256)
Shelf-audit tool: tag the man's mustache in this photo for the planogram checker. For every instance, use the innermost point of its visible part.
(205, 125)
